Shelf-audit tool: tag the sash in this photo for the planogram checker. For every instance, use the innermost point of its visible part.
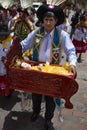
(55, 46)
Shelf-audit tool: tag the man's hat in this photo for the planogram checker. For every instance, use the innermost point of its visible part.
(20, 9)
(52, 8)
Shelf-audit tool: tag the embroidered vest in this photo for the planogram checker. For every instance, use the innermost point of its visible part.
(55, 46)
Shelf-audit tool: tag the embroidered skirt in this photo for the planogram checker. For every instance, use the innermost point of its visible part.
(80, 46)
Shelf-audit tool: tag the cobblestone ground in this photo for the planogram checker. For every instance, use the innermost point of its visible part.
(76, 118)
(12, 117)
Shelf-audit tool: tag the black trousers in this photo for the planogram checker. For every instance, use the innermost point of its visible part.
(50, 105)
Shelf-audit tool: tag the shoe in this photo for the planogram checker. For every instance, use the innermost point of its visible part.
(49, 125)
(34, 117)
(79, 60)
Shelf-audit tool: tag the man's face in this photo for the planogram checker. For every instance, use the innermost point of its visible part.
(49, 23)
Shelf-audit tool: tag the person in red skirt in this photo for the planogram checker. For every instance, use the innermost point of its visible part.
(78, 38)
(85, 29)
(5, 43)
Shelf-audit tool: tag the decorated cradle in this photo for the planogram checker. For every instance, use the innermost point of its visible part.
(35, 81)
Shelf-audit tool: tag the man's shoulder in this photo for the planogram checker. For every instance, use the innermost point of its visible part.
(64, 33)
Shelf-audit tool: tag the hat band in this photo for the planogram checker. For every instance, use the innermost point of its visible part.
(51, 6)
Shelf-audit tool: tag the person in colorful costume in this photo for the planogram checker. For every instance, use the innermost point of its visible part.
(74, 21)
(5, 43)
(47, 43)
(21, 24)
(78, 38)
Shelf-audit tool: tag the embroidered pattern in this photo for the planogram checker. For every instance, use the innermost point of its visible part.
(55, 48)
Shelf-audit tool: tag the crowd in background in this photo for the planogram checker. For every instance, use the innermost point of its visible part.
(9, 17)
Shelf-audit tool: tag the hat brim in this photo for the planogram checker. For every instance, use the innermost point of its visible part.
(55, 9)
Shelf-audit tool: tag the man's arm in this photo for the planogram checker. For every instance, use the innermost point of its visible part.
(70, 51)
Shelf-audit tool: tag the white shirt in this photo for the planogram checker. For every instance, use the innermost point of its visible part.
(67, 46)
(3, 53)
(79, 34)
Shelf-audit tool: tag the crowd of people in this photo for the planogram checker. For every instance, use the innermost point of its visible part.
(44, 40)
(79, 33)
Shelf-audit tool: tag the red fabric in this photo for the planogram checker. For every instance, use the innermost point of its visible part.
(86, 46)
(80, 46)
(2, 92)
(3, 79)
(4, 89)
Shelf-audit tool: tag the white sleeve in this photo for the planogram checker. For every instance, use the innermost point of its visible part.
(28, 42)
(69, 48)
(2, 53)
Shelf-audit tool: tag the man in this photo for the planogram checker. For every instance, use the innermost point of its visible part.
(74, 21)
(47, 43)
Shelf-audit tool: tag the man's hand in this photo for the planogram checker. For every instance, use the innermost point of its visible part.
(73, 70)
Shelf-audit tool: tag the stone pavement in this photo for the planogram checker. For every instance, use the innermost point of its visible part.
(13, 118)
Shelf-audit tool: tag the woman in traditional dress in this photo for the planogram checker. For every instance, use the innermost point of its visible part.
(78, 38)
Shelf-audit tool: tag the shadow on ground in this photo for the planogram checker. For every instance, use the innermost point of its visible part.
(21, 121)
(7, 103)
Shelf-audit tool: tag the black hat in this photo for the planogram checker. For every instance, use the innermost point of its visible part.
(52, 8)
(24, 10)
